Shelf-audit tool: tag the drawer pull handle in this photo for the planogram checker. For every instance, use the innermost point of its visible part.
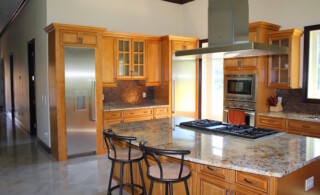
(305, 126)
(212, 169)
(250, 182)
(145, 112)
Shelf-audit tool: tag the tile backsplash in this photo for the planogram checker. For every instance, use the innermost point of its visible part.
(128, 92)
(292, 102)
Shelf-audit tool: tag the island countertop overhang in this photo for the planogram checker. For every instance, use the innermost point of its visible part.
(275, 156)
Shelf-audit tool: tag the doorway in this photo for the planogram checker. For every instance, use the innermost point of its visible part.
(2, 85)
(32, 97)
(12, 87)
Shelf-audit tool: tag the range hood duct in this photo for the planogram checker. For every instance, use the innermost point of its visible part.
(228, 33)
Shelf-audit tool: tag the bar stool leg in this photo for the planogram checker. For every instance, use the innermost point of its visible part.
(131, 175)
(151, 186)
(167, 184)
(142, 180)
(171, 188)
(186, 185)
(110, 178)
(121, 178)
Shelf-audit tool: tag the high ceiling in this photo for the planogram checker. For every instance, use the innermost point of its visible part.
(7, 9)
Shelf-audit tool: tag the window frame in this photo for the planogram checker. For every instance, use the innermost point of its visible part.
(307, 30)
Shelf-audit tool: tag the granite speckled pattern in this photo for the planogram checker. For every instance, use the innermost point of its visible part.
(276, 155)
(115, 107)
(291, 115)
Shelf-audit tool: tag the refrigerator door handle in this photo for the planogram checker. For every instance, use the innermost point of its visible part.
(93, 101)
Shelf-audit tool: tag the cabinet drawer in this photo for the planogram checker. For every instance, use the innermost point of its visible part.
(138, 112)
(303, 126)
(272, 123)
(141, 118)
(252, 181)
(113, 115)
(161, 110)
(212, 170)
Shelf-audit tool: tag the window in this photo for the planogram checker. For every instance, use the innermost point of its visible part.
(311, 71)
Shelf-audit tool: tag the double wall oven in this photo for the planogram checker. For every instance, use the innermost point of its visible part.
(240, 94)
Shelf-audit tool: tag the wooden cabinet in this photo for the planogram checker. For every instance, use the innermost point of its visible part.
(284, 70)
(130, 58)
(70, 37)
(153, 63)
(209, 185)
(303, 128)
(215, 171)
(271, 123)
(183, 45)
(255, 182)
(161, 112)
(108, 61)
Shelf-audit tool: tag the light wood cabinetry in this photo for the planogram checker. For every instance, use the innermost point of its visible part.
(123, 59)
(255, 182)
(161, 112)
(108, 61)
(178, 45)
(209, 185)
(59, 36)
(153, 62)
(284, 70)
(271, 123)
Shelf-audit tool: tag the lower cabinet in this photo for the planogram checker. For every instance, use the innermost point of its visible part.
(210, 185)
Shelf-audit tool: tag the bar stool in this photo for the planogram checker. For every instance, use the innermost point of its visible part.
(168, 173)
(125, 155)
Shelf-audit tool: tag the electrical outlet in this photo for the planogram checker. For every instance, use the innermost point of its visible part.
(309, 183)
(144, 94)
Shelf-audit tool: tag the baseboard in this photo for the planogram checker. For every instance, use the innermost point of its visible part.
(45, 147)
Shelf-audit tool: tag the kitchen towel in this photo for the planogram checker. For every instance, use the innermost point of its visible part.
(236, 117)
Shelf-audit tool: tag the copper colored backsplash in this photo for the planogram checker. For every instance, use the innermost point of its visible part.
(292, 102)
(128, 92)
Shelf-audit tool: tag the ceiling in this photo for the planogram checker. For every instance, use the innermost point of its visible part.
(7, 10)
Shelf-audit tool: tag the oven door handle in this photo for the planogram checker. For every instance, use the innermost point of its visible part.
(246, 112)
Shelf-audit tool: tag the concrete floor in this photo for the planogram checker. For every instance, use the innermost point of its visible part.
(26, 168)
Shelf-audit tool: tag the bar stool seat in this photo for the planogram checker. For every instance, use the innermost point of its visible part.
(122, 155)
(170, 171)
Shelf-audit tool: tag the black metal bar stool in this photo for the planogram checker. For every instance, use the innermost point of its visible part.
(168, 173)
(123, 155)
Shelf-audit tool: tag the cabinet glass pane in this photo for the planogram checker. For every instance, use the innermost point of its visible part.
(285, 42)
(274, 76)
(126, 58)
(275, 42)
(135, 46)
(126, 45)
(135, 58)
(121, 70)
(120, 58)
(141, 71)
(141, 59)
(275, 61)
(126, 70)
(140, 46)
(120, 45)
(284, 61)
(284, 76)
(135, 71)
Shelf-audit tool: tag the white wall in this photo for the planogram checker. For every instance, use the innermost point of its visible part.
(153, 17)
(28, 25)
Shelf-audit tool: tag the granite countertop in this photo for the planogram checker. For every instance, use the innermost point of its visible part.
(115, 107)
(276, 155)
(292, 115)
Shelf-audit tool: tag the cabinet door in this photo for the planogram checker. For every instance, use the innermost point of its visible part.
(69, 37)
(123, 58)
(212, 186)
(236, 190)
(89, 39)
(271, 123)
(190, 45)
(153, 63)
(138, 58)
(108, 62)
(232, 63)
(249, 63)
(177, 46)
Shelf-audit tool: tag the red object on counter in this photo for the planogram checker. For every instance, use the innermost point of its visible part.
(236, 117)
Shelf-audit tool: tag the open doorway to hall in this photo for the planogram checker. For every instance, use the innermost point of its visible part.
(32, 95)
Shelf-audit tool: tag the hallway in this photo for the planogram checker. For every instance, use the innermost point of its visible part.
(26, 168)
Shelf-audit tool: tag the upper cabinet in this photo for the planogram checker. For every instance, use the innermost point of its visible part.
(153, 65)
(183, 45)
(284, 70)
(108, 61)
(78, 38)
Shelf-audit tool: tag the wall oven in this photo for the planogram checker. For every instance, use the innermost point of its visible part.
(240, 94)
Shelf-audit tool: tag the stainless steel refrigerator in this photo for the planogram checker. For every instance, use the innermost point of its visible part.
(80, 100)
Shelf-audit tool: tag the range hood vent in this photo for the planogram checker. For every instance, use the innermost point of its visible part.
(228, 33)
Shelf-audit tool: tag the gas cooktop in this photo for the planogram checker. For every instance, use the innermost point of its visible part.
(244, 131)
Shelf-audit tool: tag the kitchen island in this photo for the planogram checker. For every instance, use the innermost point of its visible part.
(222, 164)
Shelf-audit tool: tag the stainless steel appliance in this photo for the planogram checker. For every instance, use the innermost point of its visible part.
(240, 93)
(80, 100)
(228, 33)
(243, 131)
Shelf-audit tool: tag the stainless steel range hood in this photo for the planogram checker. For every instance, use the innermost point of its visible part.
(228, 33)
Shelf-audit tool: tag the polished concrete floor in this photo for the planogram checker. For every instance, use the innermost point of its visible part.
(26, 168)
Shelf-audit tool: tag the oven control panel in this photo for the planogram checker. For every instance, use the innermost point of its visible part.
(240, 105)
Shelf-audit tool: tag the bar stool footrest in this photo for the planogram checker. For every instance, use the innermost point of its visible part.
(127, 184)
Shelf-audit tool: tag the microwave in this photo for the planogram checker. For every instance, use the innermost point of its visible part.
(240, 87)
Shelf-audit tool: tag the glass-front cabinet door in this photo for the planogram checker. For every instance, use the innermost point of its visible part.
(138, 55)
(123, 52)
